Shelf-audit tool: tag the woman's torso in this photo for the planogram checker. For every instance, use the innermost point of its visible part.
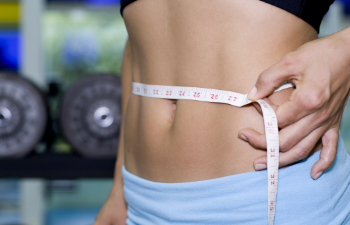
(223, 44)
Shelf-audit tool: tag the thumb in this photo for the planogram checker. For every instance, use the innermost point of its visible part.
(270, 79)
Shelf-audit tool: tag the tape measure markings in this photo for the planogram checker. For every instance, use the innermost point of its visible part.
(235, 99)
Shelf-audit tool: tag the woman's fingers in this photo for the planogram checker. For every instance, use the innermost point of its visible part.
(309, 96)
(320, 71)
(288, 137)
(253, 137)
(258, 107)
(304, 101)
(291, 111)
(299, 152)
(273, 77)
(328, 152)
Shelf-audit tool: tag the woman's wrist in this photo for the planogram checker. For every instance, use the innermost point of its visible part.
(343, 55)
(344, 37)
(117, 190)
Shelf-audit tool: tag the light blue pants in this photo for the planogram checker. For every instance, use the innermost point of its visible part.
(242, 198)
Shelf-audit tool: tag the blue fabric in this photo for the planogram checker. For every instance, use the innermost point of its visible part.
(242, 198)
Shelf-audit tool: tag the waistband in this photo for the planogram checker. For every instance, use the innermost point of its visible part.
(241, 198)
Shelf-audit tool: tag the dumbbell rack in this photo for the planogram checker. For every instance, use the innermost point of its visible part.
(56, 166)
(17, 158)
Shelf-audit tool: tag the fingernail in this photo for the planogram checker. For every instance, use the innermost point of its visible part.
(260, 166)
(317, 176)
(252, 93)
(241, 136)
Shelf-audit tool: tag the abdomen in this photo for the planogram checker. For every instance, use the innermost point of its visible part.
(210, 44)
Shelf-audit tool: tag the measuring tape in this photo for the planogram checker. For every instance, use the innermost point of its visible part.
(235, 99)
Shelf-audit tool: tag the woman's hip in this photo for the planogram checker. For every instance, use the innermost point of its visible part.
(242, 198)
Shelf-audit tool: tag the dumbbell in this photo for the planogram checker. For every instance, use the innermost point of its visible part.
(23, 116)
(90, 115)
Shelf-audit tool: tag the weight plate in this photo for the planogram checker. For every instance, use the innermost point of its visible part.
(90, 115)
(23, 116)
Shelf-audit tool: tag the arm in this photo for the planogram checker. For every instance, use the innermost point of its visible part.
(114, 210)
(321, 71)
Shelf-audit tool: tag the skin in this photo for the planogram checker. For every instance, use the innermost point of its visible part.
(321, 71)
(220, 45)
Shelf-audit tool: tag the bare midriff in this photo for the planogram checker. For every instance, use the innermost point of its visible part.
(221, 44)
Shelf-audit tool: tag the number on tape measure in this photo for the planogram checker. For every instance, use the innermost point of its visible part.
(239, 100)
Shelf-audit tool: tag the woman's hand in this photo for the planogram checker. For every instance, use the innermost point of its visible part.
(114, 210)
(320, 69)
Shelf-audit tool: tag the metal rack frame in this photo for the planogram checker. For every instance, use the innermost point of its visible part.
(56, 166)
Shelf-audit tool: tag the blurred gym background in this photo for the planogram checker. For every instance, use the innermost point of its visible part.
(60, 64)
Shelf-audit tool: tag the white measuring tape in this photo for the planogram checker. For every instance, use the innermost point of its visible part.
(235, 99)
